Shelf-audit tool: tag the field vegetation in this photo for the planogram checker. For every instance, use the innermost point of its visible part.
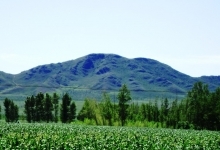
(69, 136)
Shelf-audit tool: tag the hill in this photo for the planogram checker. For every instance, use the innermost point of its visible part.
(90, 75)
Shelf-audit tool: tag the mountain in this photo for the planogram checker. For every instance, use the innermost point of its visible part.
(90, 75)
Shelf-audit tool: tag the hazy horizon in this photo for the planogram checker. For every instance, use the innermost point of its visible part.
(183, 35)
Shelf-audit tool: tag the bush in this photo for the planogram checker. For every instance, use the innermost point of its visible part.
(89, 121)
(185, 125)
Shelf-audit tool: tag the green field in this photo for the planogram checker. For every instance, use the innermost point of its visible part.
(70, 136)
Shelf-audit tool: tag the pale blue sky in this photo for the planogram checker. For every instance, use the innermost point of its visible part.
(182, 34)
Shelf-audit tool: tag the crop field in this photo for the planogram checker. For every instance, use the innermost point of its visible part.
(69, 136)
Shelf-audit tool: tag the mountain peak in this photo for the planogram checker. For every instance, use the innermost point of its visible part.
(98, 72)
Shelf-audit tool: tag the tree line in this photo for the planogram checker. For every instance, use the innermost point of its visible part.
(43, 108)
(200, 109)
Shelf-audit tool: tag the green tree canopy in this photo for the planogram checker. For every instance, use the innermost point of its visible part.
(123, 97)
(56, 106)
(198, 97)
(11, 111)
(68, 109)
(107, 108)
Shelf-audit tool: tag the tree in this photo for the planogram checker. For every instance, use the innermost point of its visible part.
(155, 111)
(11, 111)
(213, 110)
(90, 110)
(173, 115)
(30, 109)
(133, 112)
(39, 107)
(123, 98)
(143, 112)
(216, 112)
(150, 114)
(14, 112)
(198, 98)
(56, 106)
(72, 111)
(68, 110)
(27, 110)
(7, 104)
(48, 108)
(107, 108)
(164, 111)
(33, 108)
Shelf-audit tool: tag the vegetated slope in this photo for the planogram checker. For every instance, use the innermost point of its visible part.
(94, 73)
(212, 81)
(6, 81)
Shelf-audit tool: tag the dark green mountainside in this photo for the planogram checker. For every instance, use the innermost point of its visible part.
(90, 75)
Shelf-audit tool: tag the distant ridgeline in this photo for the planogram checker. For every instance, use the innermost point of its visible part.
(91, 75)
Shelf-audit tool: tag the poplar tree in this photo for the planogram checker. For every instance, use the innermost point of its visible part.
(48, 108)
(72, 111)
(27, 110)
(107, 108)
(39, 107)
(123, 98)
(11, 111)
(56, 106)
(68, 110)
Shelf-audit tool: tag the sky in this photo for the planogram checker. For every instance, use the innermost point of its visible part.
(182, 34)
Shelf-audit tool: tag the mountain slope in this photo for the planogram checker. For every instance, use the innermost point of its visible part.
(95, 73)
(6, 81)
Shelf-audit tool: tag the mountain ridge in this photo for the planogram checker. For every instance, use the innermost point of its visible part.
(101, 72)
